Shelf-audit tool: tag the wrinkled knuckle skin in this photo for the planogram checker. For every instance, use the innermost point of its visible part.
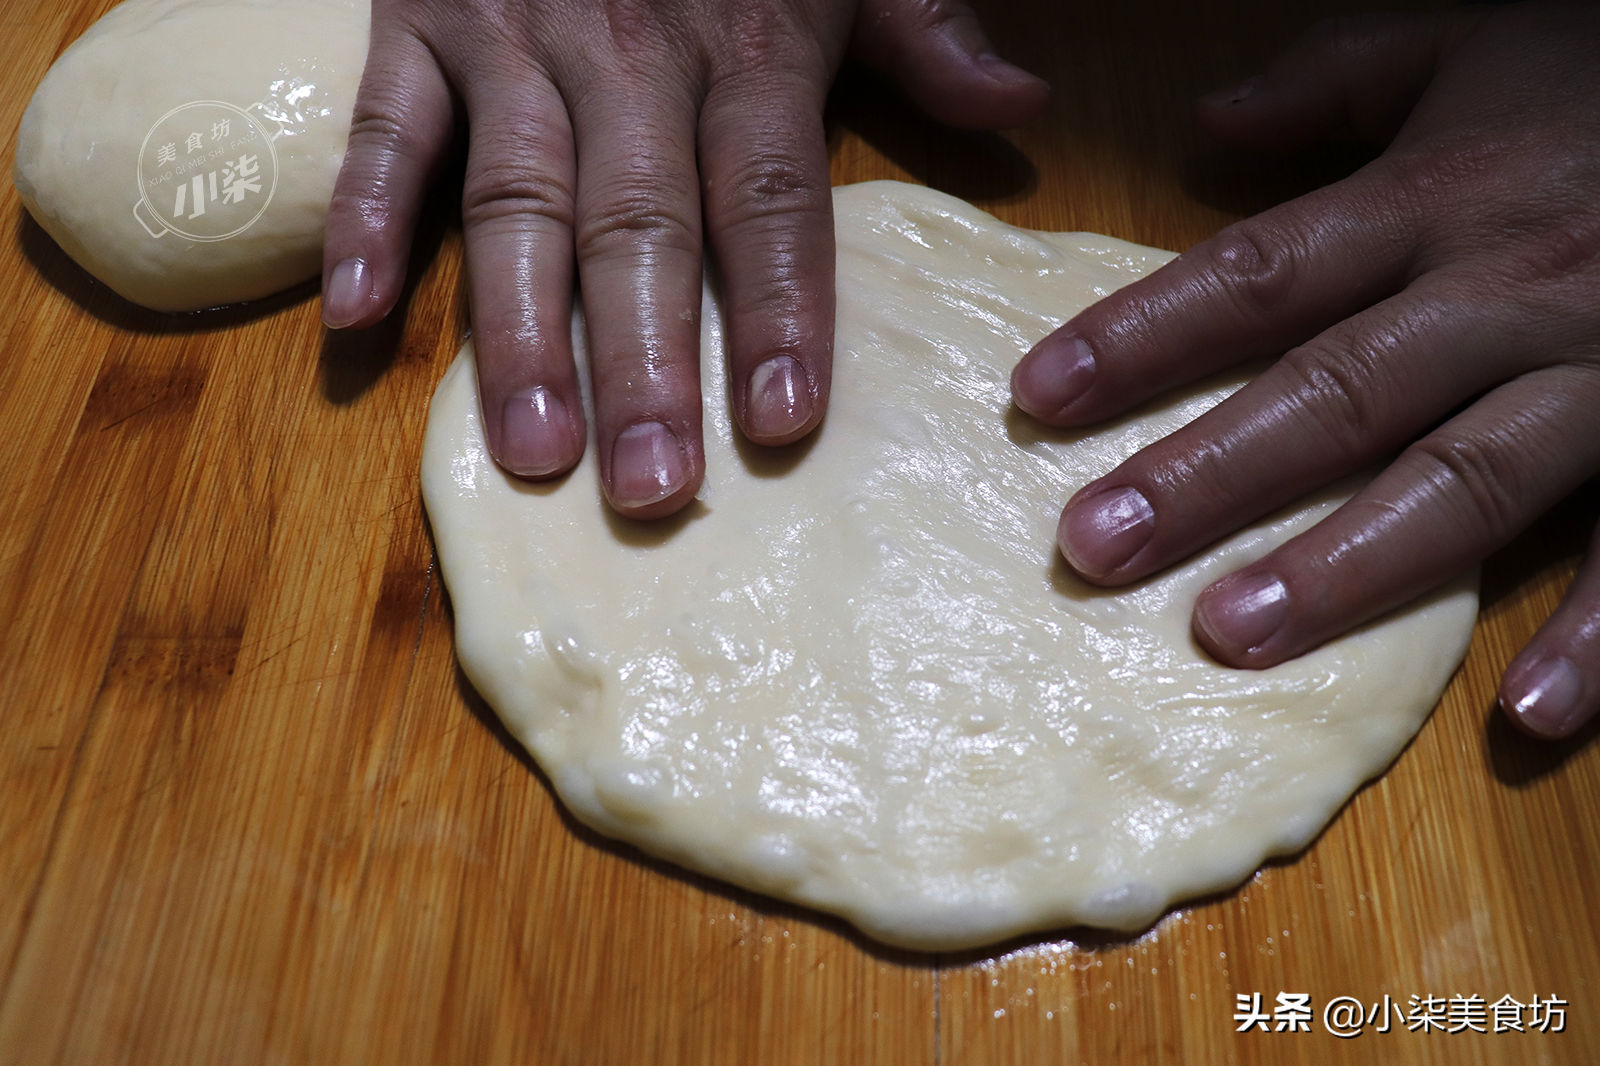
(1340, 393)
(378, 122)
(772, 183)
(377, 149)
(1569, 246)
(638, 27)
(1203, 472)
(1257, 267)
(505, 190)
(1440, 187)
(1482, 476)
(757, 38)
(634, 221)
(372, 126)
(447, 30)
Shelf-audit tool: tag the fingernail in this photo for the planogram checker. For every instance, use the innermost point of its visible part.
(647, 464)
(1237, 94)
(1552, 700)
(536, 431)
(779, 401)
(1102, 533)
(1052, 376)
(344, 299)
(1243, 616)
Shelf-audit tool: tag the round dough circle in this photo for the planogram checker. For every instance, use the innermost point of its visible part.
(857, 675)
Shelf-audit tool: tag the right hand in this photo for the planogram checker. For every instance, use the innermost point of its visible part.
(1436, 313)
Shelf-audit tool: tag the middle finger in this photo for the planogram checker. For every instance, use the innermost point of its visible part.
(1358, 392)
(638, 244)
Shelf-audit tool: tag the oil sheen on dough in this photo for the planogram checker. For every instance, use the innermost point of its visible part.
(857, 675)
(292, 64)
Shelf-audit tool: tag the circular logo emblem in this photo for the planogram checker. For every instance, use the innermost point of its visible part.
(207, 170)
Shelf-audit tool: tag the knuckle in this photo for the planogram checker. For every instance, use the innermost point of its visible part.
(639, 27)
(1257, 265)
(378, 154)
(769, 183)
(503, 190)
(1435, 186)
(483, 20)
(373, 128)
(1479, 477)
(1569, 246)
(633, 220)
(1340, 392)
(758, 35)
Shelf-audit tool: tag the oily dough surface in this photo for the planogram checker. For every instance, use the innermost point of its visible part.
(266, 87)
(858, 676)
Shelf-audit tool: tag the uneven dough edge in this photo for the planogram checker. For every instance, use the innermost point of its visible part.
(909, 920)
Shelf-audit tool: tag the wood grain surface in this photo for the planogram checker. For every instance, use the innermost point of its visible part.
(250, 812)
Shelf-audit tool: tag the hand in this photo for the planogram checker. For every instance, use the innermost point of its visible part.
(615, 130)
(1441, 303)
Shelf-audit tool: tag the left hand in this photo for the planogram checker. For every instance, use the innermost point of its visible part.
(611, 141)
(1443, 303)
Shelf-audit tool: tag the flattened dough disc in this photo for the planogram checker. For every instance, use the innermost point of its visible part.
(858, 676)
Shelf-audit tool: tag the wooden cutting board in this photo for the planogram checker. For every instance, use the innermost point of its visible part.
(250, 811)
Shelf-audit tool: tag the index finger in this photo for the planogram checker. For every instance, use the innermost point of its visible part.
(1257, 288)
(517, 210)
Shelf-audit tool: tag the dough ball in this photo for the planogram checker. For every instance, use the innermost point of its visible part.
(184, 151)
(856, 673)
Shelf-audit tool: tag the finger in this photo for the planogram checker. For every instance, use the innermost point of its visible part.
(1359, 74)
(1258, 287)
(769, 215)
(517, 209)
(638, 244)
(399, 130)
(1329, 408)
(1445, 503)
(938, 52)
(1553, 686)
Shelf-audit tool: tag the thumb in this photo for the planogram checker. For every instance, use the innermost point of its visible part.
(1361, 74)
(938, 52)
